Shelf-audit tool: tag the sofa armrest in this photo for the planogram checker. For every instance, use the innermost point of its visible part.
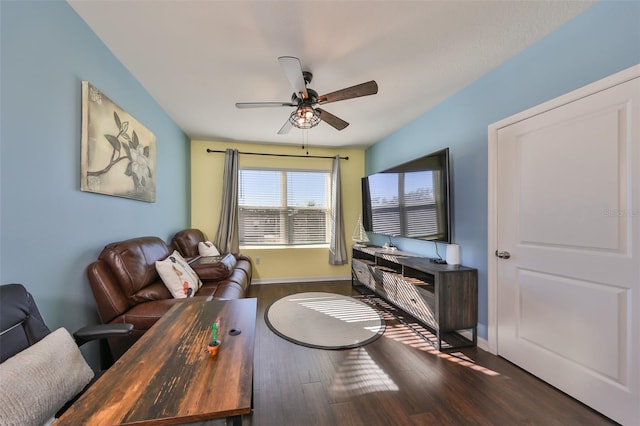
(214, 268)
(102, 331)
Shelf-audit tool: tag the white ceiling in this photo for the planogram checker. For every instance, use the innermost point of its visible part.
(197, 58)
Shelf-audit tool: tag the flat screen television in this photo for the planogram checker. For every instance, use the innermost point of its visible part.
(411, 200)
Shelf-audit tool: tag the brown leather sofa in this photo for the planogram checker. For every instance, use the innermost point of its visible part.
(128, 289)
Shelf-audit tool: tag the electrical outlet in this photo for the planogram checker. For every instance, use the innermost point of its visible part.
(257, 260)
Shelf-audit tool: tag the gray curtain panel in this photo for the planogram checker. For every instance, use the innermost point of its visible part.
(227, 238)
(337, 247)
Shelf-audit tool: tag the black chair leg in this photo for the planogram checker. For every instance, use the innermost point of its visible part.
(106, 357)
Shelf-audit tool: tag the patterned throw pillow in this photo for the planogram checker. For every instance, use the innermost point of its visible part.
(207, 249)
(178, 276)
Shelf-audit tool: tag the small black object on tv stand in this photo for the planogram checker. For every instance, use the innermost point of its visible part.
(442, 297)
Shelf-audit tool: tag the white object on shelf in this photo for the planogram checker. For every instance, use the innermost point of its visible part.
(453, 254)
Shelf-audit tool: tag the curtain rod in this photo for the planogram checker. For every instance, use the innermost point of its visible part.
(280, 155)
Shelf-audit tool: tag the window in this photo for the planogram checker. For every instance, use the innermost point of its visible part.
(284, 207)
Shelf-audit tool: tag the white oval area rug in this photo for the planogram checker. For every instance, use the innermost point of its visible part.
(324, 320)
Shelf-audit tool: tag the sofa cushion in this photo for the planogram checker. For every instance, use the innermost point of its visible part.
(208, 288)
(178, 276)
(38, 381)
(144, 315)
(155, 291)
(132, 262)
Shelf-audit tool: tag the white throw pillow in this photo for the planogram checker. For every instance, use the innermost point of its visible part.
(207, 249)
(38, 381)
(178, 276)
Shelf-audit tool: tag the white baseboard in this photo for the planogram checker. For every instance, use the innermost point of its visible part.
(483, 344)
(293, 280)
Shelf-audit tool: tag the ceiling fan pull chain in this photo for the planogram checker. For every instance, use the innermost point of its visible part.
(305, 137)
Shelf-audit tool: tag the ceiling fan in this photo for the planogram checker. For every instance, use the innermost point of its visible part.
(307, 114)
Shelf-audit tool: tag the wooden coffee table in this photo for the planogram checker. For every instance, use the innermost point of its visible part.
(168, 377)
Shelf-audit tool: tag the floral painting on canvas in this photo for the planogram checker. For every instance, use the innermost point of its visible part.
(118, 153)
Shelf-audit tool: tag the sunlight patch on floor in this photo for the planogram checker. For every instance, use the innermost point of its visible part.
(343, 310)
(359, 374)
(416, 336)
(400, 333)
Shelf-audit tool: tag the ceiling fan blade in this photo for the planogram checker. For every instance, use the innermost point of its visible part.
(285, 128)
(332, 120)
(263, 104)
(363, 89)
(293, 70)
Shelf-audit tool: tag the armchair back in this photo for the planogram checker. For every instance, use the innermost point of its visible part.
(21, 324)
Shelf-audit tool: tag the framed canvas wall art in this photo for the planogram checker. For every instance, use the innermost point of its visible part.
(118, 153)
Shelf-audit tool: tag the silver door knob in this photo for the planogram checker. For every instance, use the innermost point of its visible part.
(503, 254)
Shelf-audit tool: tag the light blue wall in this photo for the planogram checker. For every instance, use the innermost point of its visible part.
(601, 41)
(50, 230)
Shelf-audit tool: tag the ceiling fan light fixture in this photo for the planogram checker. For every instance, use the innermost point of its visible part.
(305, 117)
(304, 98)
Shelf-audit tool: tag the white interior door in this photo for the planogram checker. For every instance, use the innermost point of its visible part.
(568, 213)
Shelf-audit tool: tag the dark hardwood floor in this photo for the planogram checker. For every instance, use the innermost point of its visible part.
(398, 379)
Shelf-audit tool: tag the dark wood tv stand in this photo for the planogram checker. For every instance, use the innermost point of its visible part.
(442, 297)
